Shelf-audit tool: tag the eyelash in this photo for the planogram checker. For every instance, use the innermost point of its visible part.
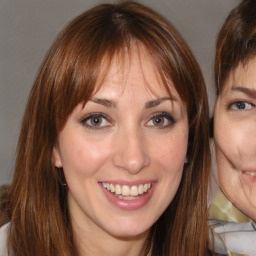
(164, 115)
(89, 118)
(234, 105)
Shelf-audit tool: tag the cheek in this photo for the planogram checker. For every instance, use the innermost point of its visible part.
(83, 157)
(171, 153)
(247, 138)
(236, 140)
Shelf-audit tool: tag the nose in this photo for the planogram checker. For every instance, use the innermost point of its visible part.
(131, 152)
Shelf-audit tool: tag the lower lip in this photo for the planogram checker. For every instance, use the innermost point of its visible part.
(249, 178)
(129, 204)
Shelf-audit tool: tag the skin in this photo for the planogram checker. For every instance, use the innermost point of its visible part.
(128, 147)
(235, 137)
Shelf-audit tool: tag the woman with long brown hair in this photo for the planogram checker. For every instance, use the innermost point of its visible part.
(113, 154)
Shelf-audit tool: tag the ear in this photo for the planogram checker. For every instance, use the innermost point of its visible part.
(56, 157)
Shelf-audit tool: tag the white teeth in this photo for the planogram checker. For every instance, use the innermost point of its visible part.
(126, 191)
(112, 188)
(134, 191)
(118, 190)
(252, 174)
(141, 189)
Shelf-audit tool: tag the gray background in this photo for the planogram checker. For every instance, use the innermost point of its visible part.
(28, 27)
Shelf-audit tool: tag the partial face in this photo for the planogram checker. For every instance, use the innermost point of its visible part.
(123, 152)
(235, 137)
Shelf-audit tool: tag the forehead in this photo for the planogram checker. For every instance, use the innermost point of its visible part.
(244, 75)
(134, 67)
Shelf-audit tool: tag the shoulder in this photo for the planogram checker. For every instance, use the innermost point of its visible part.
(3, 239)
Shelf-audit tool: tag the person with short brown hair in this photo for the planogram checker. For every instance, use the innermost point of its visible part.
(235, 131)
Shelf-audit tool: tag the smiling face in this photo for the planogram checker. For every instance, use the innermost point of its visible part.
(123, 152)
(235, 137)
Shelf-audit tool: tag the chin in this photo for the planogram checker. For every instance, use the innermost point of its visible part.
(129, 231)
(240, 200)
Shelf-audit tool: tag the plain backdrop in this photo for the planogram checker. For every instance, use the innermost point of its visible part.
(28, 27)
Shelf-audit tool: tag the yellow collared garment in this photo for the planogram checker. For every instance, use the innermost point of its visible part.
(222, 209)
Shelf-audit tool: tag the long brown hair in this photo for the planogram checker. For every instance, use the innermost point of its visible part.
(236, 41)
(40, 223)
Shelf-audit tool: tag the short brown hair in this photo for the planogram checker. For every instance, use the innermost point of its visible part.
(66, 78)
(236, 41)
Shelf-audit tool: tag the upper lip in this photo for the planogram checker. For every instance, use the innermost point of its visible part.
(243, 170)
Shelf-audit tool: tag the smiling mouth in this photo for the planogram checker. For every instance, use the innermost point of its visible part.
(126, 192)
(252, 174)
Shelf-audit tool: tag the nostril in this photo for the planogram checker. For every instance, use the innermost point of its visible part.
(131, 151)
(132, 163)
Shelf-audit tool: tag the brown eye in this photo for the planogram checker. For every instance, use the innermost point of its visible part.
(96, 121)
(158, 121)
(161, 120)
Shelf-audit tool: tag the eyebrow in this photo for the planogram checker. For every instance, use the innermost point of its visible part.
(105, 102)
(154, 103)
(248, 91)
(112, 104)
